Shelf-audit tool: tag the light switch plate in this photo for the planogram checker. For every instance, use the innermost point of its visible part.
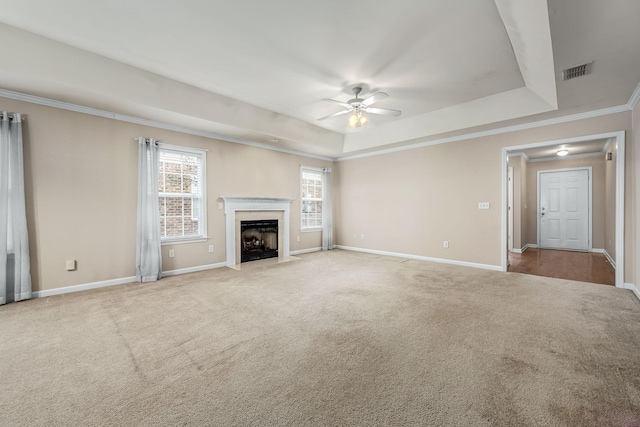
(71, 264)
(483, 205)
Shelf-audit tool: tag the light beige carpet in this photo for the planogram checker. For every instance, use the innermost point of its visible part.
(336, 338)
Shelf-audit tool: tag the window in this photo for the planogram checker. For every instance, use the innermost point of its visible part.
(311, 206)
(181, 193)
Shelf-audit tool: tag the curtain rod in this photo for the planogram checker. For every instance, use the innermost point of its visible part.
(12, 116)
(169, 146)
(137, 139)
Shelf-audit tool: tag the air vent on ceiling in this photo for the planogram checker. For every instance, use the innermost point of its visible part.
(577, 71)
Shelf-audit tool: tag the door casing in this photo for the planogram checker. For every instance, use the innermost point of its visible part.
(619, 139)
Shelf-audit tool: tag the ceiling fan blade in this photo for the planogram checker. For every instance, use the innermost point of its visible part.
(383, 111)
(344, 104)
(374, 98)
(339, 113)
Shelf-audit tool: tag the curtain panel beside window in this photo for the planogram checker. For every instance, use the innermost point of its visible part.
(15, 277)
(148, 249)
(327, 210)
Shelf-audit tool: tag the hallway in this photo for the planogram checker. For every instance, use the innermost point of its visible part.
(581, 266)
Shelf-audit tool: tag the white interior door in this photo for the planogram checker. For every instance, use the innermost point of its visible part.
(563, 209)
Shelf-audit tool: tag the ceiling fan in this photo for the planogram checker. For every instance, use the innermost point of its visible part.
(357, 106)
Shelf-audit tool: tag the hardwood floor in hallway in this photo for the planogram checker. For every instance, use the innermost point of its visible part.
(581, 266)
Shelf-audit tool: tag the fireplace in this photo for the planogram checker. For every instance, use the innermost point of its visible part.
(238, 209)
(258, 239)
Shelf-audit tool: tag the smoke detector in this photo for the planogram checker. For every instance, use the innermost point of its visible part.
(577, 71)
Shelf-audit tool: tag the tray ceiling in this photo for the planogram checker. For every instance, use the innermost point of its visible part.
(257, 71)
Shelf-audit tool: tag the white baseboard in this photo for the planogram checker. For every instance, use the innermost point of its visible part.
(606, 254)
(193, 269)
(83, 287)
(121, 281)
(524, 248)
(633, 289)
(423, 258)
(611, 260)
(304, 251)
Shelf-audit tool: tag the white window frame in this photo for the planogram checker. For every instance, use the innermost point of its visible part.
(203, 174)
(302, 198)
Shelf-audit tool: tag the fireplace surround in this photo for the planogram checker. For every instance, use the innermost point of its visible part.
(237, 209)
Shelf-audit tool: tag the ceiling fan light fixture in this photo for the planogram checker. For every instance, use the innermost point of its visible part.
(357, 120)
(357, 105)
(353, 120)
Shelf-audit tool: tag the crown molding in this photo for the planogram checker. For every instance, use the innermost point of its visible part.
(18, 96)
(161, 125)
(635, 96)
(497, 131)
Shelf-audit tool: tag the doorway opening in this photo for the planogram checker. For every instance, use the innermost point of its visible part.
(605, 154)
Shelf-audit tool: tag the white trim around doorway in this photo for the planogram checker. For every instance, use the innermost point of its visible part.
(619, 137)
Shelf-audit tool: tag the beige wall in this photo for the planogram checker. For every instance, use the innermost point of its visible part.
(81, 193)
(520, 207)
(81, 175)
(411, 201)
(597, 164)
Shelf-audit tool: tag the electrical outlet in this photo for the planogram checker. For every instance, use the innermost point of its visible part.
(362, 236)
(446, 244)
(483, 205)
(297, 238)
(210, 248)
(171, 253)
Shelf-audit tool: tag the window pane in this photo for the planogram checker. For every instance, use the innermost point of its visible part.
(311, 206)
(182, 174)
(163, 229)
(162, 205)
(174, 226)
(173, 183)
(312, 214)
(174, 206)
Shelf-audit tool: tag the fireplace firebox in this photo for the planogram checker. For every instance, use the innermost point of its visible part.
(259, 239)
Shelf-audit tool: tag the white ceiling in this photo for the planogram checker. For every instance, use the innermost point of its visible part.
(257, 71)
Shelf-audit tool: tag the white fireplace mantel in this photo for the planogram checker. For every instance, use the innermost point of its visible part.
(234, 204)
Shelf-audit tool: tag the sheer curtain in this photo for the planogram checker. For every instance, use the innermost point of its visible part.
(15, 279)
(327, 211)
(148, 250)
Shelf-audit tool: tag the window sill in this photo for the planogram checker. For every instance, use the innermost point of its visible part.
(182, 241)
(310, 230)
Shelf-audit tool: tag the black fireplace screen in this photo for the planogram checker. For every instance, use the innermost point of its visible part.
(259, 239)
